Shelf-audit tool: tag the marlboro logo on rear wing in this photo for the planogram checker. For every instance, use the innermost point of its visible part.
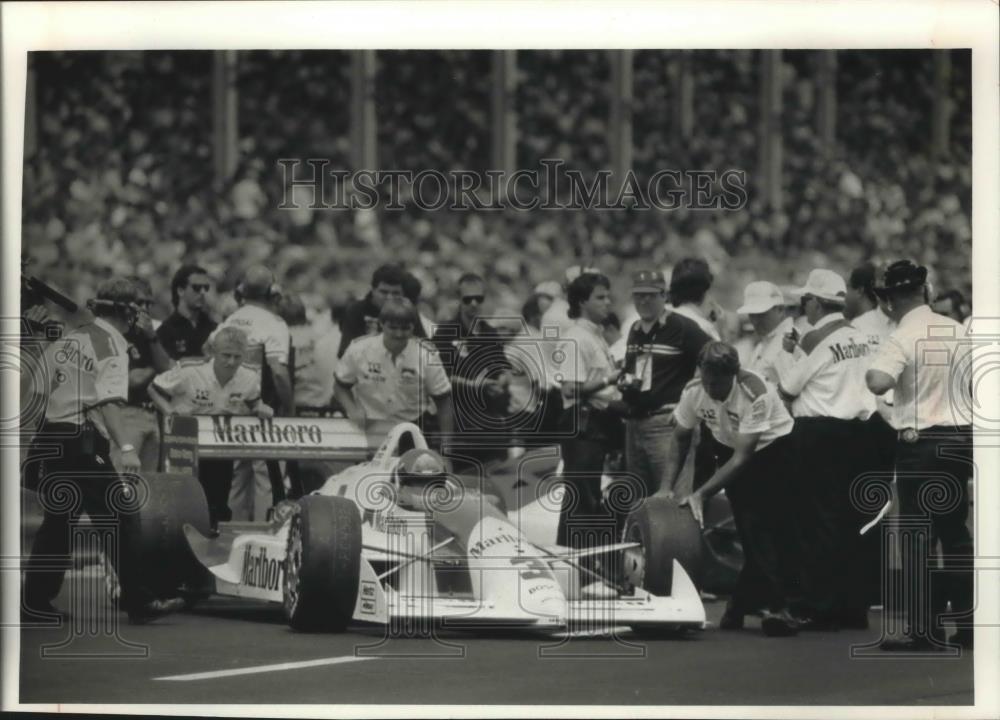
(186, 439)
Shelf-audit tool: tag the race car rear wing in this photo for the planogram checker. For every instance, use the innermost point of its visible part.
(187, 438)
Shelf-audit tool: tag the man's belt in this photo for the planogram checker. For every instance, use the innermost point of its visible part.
(912, 435)
(646, 414)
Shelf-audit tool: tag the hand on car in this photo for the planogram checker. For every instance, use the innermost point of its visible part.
(696, 502)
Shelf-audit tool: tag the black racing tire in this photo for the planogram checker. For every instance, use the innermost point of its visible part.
(666, 532)
(322, 564)
(164, 559)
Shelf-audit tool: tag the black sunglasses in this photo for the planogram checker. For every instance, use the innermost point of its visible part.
(469, 299)
(198, 287)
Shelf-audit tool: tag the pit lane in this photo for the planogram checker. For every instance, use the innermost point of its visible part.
(221, 634)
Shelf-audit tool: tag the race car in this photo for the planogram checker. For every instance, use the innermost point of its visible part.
(398, 540)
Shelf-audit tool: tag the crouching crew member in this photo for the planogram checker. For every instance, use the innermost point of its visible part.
(746, 416)
(661, 356)
(88, 369)
(924, 361)
(221, 385)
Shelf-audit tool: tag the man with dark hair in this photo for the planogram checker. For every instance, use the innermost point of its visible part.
(826, 394)
(83, 417)
(147, 357)
(591, 416)
(472, 353)
(391, 377)
(184, 333)
(925, 361)
(661, 357)
(749, 419)
(361, 317)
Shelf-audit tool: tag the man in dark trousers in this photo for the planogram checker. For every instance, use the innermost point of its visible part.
(184, 333)
(661, 356)
(472, 353)
(361, 317)
(925, 361)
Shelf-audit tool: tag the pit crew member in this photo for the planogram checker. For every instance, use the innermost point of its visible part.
(185, 332)
(221, 385)
(390, 378)
(746, 416)
(88, 370)
(362, 316)
(764, 305)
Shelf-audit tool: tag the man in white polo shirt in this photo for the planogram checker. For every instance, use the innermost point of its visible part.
(747, 417)
(221, 385)
(389, 378)
(764, 305)
(830, 403)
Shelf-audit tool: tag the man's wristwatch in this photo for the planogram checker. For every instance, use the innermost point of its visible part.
(127, 447)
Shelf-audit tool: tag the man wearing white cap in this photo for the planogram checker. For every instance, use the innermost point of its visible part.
(828, 398)
(764, 305)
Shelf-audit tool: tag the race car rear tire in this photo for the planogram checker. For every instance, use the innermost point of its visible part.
(667, 532)
(322, 564)
(172, 500)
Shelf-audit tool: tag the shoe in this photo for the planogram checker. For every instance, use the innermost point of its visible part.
(911, 644)
(154, 610)
(817, 624)
(778, 624)
(731, 620)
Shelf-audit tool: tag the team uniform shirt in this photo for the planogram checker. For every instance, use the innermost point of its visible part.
(707, 326)
(388, 388)
(263, 329)
(829, 381)
(194, 389)
(584, 352)
(312, 390)
(88, 368)
(361, 319)
(926, 355)
(876, 327)
(751, 407)
(180, 338)
(663, 359)
(768, 357)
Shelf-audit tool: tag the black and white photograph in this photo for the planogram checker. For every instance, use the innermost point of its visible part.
(501, 359)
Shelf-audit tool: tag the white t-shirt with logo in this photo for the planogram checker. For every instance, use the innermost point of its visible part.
(87, 368)
(387, 388)
(751, 407)
(194, 389)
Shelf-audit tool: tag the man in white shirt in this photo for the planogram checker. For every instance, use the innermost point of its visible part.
(748, 418)
(825, 389)
(221, 385)
(926, 360)
(764, 305)
(392, 377)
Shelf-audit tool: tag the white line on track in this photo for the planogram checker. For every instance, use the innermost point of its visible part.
(265, 668)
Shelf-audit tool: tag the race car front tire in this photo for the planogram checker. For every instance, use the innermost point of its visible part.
(666, 532)
(322, 564)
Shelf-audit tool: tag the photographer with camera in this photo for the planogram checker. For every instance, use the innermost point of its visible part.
(661, 357)
(88, 373)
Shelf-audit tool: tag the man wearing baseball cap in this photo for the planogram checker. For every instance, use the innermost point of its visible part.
(764, 306)
(661, 356)
(926, 361)
(826, 392)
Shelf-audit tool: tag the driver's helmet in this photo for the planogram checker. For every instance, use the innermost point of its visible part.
(419, 467)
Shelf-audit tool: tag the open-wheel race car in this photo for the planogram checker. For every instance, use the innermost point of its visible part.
(398, 540)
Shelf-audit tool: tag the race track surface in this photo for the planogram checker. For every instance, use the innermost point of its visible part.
(227, 651)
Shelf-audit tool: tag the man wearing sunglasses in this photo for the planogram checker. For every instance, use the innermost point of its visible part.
(472, 353)
(184, 333)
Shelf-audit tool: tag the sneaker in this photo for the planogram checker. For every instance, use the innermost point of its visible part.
(155, 609)
(778, 624)
(812, 623)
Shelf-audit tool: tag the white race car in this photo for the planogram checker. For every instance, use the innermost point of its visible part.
(399, 541)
